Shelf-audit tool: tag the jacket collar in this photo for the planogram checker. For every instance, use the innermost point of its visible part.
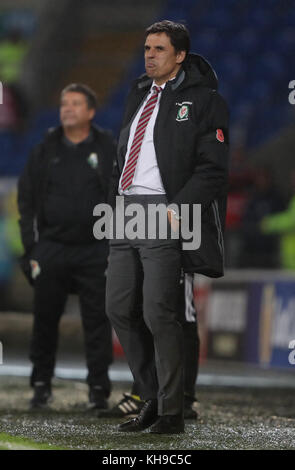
(195, 71)
(146, 82)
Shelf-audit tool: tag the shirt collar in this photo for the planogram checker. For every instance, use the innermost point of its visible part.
(163, 84)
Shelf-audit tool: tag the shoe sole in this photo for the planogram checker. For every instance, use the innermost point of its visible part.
(133, 430)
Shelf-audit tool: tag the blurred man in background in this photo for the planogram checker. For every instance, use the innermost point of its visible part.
(65, 177)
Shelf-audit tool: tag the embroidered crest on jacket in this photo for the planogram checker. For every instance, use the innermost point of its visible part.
(93, 160)
(183, 112)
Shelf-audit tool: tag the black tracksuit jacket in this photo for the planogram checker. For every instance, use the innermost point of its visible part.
(191, 144)
(51, 185)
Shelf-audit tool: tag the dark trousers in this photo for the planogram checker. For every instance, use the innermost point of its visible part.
(148, 326)
(191, 343)
(62, 267)
(188, 315)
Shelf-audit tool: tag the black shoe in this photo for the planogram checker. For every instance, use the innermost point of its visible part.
(190, 411)
(42, 396)
(127, 406)
(168, 425)
(147, 416)
(97, 398)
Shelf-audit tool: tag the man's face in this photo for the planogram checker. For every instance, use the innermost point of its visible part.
(162, 62)
(74, 111)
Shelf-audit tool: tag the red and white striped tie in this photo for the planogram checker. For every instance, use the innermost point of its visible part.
(129, 170)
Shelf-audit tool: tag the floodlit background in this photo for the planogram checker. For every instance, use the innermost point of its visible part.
(248, 317)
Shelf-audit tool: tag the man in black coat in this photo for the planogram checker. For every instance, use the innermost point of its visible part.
(65, 177)
(173, 150)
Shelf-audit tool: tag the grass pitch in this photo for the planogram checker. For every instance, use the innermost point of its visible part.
(229, 418)
(8, 442)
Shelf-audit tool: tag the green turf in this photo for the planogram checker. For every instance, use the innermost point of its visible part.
(8, 442)
(230, 418)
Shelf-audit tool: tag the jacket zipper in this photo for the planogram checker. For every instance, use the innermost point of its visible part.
(218, 226)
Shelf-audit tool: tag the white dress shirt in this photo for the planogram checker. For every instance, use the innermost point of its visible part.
(147, 178)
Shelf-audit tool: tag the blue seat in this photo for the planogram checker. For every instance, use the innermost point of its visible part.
(231, 67)
(257, 17)
(284, 41)
(217, 18)
(288, 18)
(110, 118)
(270, 67)
(247, 42)
(177, 13)
(242, 111)
(205, 42)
